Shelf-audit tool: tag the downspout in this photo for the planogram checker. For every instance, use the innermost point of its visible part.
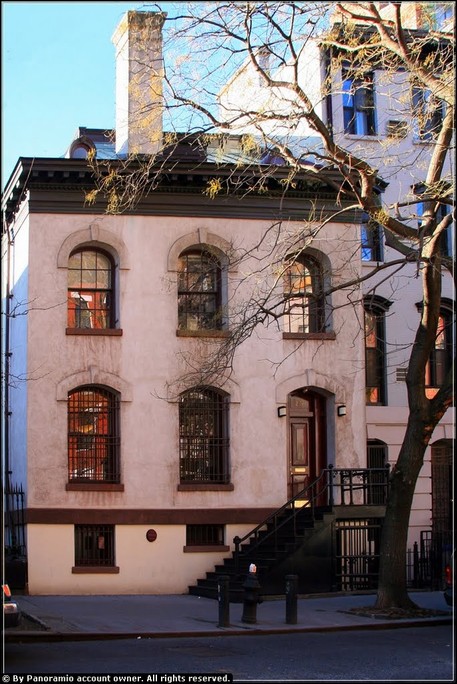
(6, 379)
(328, 97)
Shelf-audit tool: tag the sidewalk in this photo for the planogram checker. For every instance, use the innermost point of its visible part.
(112, 617)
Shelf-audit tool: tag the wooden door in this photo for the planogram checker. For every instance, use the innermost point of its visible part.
(306, 448)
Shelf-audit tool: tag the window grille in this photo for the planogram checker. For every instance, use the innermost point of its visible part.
(357, 553)
(204, 441)
(94, 545)
(93, 435)
(90, 290)
(205, 535)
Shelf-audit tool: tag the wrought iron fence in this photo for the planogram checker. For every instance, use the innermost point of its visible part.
(14, 521)
(427, 560)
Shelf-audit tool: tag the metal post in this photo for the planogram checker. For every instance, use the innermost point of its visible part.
(291, 599)
(223, 599)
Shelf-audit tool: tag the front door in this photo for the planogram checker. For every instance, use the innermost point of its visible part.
(306, 416)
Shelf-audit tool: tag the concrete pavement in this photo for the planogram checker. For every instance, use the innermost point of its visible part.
(132, 616)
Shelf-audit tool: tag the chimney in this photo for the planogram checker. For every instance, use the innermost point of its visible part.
(139, 88)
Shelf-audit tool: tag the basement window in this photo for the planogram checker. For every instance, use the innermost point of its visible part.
(94, 549)
(205, 538)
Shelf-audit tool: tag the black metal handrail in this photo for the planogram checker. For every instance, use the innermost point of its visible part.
(344, 486)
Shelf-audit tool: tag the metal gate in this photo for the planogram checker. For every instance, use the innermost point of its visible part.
(357, 544)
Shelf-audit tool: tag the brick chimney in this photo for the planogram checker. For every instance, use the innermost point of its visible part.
(139, 87)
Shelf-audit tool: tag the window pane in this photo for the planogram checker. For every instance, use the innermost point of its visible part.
(90, 298)
(304, 301)
(199, 295)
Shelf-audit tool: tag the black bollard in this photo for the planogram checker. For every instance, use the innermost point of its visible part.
(223, 599)
(291, 599)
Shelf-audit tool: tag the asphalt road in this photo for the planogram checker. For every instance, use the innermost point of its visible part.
(408, 654)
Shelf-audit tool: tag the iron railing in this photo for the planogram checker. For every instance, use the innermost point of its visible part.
(427, 560)
(334, 486)
(14, 521)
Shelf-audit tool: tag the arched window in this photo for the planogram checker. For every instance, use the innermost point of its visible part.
(442, 481)
(90, 290)
(93, 435)
(440, 360)
(375, 350)
(304, 300)
(203, 436)
(199, 291)
(377, 463)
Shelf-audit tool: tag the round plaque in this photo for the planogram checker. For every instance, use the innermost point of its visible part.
(151, 535)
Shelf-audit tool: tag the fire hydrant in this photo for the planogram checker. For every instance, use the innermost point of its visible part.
(251, 599)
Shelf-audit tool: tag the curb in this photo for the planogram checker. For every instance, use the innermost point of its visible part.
(32, 636)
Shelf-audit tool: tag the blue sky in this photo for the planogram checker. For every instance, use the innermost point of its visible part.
(58, 73)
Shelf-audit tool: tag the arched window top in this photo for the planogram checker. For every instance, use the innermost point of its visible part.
(81, 148)
(202, 240)
(376, 304)
(446, 306)
(203, 394)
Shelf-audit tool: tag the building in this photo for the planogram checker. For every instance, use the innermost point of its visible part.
(138, 476)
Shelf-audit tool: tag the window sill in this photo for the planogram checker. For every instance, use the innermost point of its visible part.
(309, 336)
(202, 333)
(95, 570)
(191, 487)
(363, 136)
(93, 487)
(110, 332)
(206, 549)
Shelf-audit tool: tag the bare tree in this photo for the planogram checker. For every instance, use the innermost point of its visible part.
(261, 47)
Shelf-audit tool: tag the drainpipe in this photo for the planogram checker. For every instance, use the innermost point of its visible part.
(6, 378)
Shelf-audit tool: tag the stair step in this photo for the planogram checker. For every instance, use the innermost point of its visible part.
(266, 550)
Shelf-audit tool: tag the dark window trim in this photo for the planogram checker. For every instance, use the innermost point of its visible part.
(309, 336)
(110, 332)
(206, 549)
(93, 487)
(95, 570)
(349, 112)
(377, 306)
(189, 487)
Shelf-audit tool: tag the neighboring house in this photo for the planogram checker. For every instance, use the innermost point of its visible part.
(392, 123)
(137, 477)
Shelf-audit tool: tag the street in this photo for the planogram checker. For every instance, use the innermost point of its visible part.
(423, 653)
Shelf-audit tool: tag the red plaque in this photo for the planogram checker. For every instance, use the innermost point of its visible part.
(151, 535)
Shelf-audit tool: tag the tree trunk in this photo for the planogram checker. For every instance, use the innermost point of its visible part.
(392, 584)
